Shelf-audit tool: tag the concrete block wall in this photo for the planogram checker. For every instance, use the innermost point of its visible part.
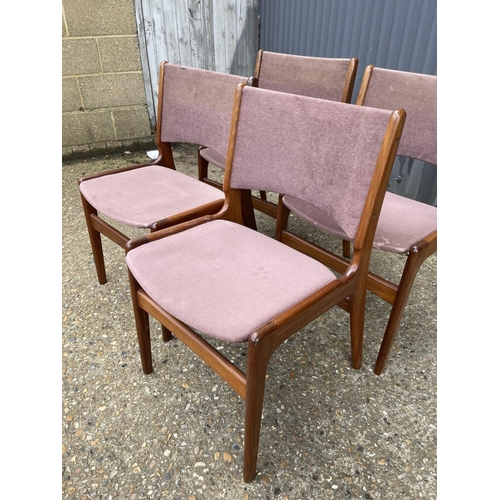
(104, 106)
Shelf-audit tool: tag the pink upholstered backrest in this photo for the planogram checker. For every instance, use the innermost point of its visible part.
(197, 106)
(320, 77)
(322, 152)
(417, 94)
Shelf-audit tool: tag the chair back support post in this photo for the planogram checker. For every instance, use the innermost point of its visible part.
(238, 203)
(350, 79)
(365, 82)
(165, 156)
(375, 198)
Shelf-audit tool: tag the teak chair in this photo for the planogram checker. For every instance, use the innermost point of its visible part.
(194, 106)
(405, 226)
(219, 277)
(331, 79)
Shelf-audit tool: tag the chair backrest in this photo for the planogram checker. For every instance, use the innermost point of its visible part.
(195, 106)
(322, 152)
(325, 78)
(416, 93)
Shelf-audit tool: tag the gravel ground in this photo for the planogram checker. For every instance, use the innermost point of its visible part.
(328, 431)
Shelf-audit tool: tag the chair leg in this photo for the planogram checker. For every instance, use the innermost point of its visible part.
(144, 337)
(346, 249)
(413, 263)
(282, 216)
(263, 195)
(142, 327)
(258, 359)
(357, 320)
(95, 241)
(166, 333)
(202, 167)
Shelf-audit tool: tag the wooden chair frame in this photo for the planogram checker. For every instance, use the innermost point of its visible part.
(395, 294)
(349, 291)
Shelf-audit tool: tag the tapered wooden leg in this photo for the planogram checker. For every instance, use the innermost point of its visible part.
(144, 337)
(357, 318)
(413, 263)
(263, 195)
(282, 216)
(202, 167)
(142, 327)
(247, 209)
(258, 359)
(167, 334)
(95, 241)
(346, 249)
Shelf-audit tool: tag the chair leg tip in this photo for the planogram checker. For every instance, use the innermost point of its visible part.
(248, 478)
(379, 366)
(102, 281)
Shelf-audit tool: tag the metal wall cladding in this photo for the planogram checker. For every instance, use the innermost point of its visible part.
(218, 35)
(393, 34)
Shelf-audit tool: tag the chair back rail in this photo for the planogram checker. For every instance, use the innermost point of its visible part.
(322, 152)
(195, 106)
(331, 79)
(417, 94)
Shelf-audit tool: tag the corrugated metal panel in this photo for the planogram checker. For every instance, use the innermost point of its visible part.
(393, 34)
(219, 35)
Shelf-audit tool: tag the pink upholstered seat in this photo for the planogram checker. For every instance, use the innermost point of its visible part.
(213, 157)
(219, 277)
(391, 236)
(142, 196)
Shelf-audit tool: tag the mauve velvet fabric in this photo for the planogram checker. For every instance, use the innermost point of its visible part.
(417, 95)
(213, 157)
(402, 222)
(321, 152)
(197, 106)
(224, 279)
(319, 77)
(142, 196)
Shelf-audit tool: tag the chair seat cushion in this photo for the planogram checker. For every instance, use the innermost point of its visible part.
(213, 157)
(402, 223)
(142, 196)
(224, 279)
